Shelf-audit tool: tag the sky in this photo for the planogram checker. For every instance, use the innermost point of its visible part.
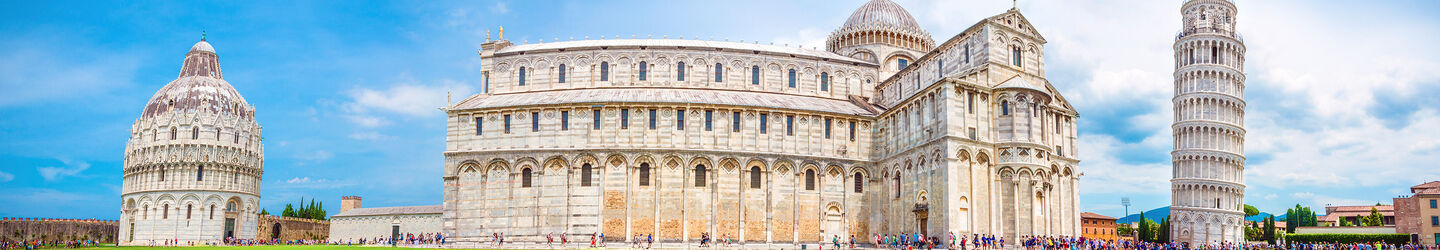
(1341, 95)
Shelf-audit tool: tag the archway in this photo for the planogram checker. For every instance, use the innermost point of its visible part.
(834, 224)
(275, 231)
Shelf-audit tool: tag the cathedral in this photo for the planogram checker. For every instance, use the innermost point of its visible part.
(884, 131)
(193, 161)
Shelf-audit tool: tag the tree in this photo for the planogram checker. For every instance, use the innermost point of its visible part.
(1144, 228)
(1375, 219)
(1164, 230)
(1270, 229)
(1345, 222)
(263, 212)
(1251, 210)
(289, 211)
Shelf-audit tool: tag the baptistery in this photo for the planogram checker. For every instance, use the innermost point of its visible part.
(193, 161)
(884, 131)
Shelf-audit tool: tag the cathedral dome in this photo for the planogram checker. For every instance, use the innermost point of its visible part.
(199, 88)
(881, 21)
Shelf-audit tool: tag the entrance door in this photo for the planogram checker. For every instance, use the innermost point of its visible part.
(132, 232)
(834, 225)
(229, 228)
(394, 234)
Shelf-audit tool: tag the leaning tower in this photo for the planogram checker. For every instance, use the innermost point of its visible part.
(1208, 190)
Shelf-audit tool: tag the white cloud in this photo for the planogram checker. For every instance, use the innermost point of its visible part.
(1105, 173)
(405, 98)
(317, 156)
(306, 182)
(6, 177)
(1271, 196)
(500, 8)
(369, 135)
(809, 38)
(71, 168)
(1310, 199)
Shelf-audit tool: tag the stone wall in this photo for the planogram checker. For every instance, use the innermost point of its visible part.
(351, 229)
(292, 228)
(12, 229)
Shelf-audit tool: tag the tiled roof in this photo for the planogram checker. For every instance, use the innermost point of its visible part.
(1089, 215)
(1427, 185)
(664, 95)
(571, 45)
(432, 209)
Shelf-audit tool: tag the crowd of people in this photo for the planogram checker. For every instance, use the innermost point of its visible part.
(404, 239)
(37, 244)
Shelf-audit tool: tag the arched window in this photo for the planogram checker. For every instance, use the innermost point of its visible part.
(188, 210)
(897, 185)
(217, 134)
(200, 173)
(644, 68)
(792, 78)
(604, 71)
(754, 75)
(809, 179)
(525, 177)
(230, 207)
(212, 211)
(859, 183)
(173, 132)
(680, 71)
(1015, 55)
(824, 81)
(1004, 107)
(699, 175)
(162, 173)
(522, 76)
(237, 137)
(562, 73)
(145, 212)
(644, 174)
(719, 71)
(165, 211)
(755, 177)
(195, 133)
(585, 175)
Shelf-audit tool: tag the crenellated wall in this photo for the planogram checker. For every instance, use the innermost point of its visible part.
(48, 229)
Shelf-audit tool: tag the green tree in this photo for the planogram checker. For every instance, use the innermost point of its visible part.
(263, 212)
(1270, 229)
(1144, 228)
(1375, 219)
(1344, 222)
(1251, 210)
(289, 211)
(1164, 230)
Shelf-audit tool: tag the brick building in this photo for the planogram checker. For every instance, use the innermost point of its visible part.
(1418, 214)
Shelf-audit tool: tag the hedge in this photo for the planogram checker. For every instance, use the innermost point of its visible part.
(1396, 239)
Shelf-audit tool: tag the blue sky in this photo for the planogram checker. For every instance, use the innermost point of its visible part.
(1340, 93)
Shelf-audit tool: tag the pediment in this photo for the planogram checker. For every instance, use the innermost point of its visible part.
(1015, 21)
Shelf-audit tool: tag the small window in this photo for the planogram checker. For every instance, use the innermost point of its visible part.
(172, 133)
(735, 121)
(479, 125)
(824, 81)
(644, 174)
(1015, 55)
(486, 79)
(1435, 220)
(200, 173)
(754, 75)
(970, 102)
(940, 68)
(763, 122)
(507, 124)
(212, 211)
(525, 177)
(624, 118)
(852, 130)
(897, 185)
(652, 119)
(643, 69)
(585, 175)
(596, 120)
(755, 177)
(680, 71)
(859, 183)
(604, 71)
(162, 174)
(534, 121)
(189, 209)
(827, 128)
(700, 175)
(679, 119)
(719, 71)
(789, 125)
(217, 134)
(522, 76)
(967, 53)
(564, 120)
(792, 78)
(236, 137)
(562, 73)
(809, 179)
(901, 64)
(972, 134)
(1004, 107)
(1432, 204)
(195, 133)
(708, 119)
(165, 211)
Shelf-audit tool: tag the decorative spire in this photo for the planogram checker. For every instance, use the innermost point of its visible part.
(202, 35)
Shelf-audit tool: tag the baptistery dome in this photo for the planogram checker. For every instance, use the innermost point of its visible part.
(193, 162)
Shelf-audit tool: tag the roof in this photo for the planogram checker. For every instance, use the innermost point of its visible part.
(1089, 215)
(374, 211)
(1018, 82)
(663, 95)
(1431, 186)
(200, 87)
(679, 43)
